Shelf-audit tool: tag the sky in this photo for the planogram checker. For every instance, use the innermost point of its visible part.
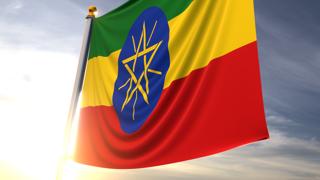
(40, 43)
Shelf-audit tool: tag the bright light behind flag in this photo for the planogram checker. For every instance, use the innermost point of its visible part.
(96, 13)
(35, 93)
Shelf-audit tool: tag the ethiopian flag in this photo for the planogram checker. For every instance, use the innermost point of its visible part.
(168, 81)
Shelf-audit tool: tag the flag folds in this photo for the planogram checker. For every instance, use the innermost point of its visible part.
(169, 81)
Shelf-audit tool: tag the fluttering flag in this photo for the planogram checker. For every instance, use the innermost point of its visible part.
(168, 81)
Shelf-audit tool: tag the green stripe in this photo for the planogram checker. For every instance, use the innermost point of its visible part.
(110, 30)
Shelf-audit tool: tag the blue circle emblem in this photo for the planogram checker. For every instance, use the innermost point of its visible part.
(142, 66)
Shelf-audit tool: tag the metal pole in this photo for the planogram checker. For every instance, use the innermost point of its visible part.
(76, 89)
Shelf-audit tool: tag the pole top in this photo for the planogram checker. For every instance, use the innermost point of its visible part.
(92, 11)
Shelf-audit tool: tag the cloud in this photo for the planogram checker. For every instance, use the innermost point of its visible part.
(280, 120)
(289, 59)
(13, 7)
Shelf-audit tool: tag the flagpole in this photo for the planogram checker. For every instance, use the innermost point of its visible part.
(76, 89)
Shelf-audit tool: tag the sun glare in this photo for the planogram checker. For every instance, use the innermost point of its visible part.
(34, 98)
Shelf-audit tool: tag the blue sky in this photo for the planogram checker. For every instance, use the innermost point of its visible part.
(39, 46)
(289, 41)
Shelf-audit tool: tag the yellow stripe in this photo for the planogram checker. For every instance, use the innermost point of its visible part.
(206, 30)
(99, 79)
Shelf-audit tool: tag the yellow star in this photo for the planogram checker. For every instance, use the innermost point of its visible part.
(134, 88)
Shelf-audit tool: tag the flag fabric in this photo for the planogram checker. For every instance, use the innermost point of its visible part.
(168, 81)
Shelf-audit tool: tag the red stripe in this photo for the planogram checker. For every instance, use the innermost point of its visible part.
(211, 110)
